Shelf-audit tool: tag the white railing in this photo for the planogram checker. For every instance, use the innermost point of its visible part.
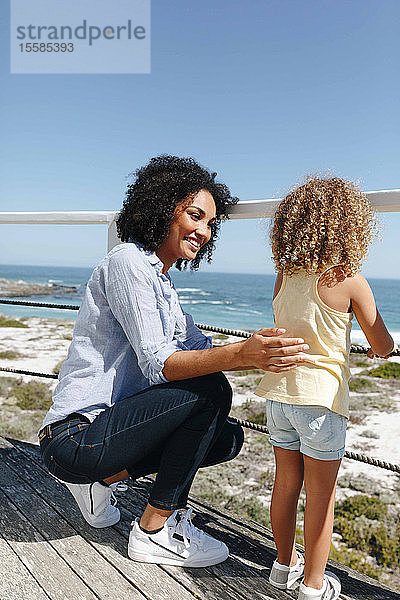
(382, 201)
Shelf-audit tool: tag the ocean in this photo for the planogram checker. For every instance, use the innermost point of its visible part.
(234, 301)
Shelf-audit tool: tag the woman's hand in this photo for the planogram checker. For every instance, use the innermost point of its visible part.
(266, 350)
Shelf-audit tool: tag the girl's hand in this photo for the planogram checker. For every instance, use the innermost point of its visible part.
(371, 354)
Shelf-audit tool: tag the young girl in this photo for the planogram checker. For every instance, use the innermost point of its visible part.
(320, 236)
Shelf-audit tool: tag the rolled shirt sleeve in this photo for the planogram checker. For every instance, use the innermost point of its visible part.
(189, 334)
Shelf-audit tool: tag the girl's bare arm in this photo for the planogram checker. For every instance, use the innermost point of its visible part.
(368, 317)
(278, 284)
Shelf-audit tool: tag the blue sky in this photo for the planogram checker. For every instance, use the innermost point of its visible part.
(263, 92)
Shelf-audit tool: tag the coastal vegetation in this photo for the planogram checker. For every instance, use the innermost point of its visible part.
(31, 395)
(7, 322)
(245, 381)
(361, 384)
(10, 354)
(56, 369)
(220, 336)
(389, 370)
(371, 526)
(23, 406)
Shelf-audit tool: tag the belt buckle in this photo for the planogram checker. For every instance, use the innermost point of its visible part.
(46, 432)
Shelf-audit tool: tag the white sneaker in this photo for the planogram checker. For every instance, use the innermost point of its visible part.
(331, 589)
(96, 502)
(284, 577)
(178, 543)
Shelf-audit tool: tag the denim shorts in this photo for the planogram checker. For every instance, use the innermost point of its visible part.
(314, 430)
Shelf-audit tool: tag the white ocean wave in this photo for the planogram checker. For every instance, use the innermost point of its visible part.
(203, 301)
(194, 291)
(357, 337)
(243, 312)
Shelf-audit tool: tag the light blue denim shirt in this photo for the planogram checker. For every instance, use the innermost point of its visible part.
(129, 323)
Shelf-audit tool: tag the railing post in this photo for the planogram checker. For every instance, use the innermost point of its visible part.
(112, 237)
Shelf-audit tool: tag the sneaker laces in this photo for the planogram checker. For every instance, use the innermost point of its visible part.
(186, 527)
(327, 589)
(116, 487)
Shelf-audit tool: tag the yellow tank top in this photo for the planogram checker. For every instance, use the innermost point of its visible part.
(323, 379)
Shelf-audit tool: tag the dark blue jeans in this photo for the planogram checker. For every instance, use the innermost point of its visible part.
(172, 429)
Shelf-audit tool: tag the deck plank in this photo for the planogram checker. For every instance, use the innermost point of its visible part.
(80, 556)
(242, 576)
(151, 580)
(60, 582)
(16, 582)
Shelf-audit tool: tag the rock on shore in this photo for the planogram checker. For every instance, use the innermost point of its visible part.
(15, 289)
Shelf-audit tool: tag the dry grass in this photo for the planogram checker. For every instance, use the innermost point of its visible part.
(10, 354)
(7, 322)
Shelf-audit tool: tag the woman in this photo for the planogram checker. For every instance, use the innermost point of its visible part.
(141, 389)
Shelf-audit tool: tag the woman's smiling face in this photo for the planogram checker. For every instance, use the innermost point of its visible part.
(190, 229)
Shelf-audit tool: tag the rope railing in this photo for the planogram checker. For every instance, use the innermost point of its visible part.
(376, 462)
(32, 373)
(41, 304)
(355, 348)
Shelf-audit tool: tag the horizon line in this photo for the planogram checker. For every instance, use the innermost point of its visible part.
(176, 270)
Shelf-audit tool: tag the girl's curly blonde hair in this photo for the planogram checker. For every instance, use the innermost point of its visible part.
(321, 223)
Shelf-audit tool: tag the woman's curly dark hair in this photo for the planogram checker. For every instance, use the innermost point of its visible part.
(150, 202)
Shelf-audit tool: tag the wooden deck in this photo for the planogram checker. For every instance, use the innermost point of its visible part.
(47, 551)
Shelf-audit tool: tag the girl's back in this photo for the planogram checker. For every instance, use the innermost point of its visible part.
(323, 379)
